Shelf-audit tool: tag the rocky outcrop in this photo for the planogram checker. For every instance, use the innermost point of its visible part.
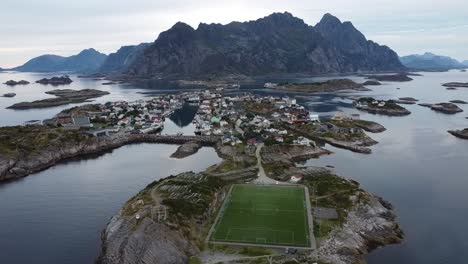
(358, 146)
(369, 126)
(460, 133)
(126, 242)
(384, 111)
(13, 82)
(455, 85)
(9, 95)
(186, 150)
(400, 77)
(163, 223)
(64, 96)
(458, 102)
(371, 82)
(445, 108)
(290, 153)
(56, 80)
(279, 43)
(368, 225)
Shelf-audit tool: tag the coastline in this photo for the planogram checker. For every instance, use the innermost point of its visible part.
(134, 235)
(11, 168)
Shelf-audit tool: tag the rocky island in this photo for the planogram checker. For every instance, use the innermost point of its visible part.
(399, 77)
(406, 100)
(371, 82)
(446, 108)
(456, 85)
(186, 150)
(168, 221)
(56, 80)
(13, 83)
(63, 97)
(373, 106)
(328, 86)
(460, 133)
(9, 95)
(458, 102)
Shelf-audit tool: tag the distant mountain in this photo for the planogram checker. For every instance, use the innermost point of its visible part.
(87, 60)
(277, 44)
(430, 61)
(120, 60)
(465, 63)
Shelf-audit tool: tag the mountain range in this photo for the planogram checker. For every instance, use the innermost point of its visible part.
(88, 60)
(277, 44)
(430, 61)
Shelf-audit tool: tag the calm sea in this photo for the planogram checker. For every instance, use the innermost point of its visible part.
(56, 216)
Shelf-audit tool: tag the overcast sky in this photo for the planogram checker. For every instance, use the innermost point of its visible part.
(34, 27)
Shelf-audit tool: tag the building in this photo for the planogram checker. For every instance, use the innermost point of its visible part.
(81, 121)
(296, 178)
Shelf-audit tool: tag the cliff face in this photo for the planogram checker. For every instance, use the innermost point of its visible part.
(118, 61)
(279, 43)
(126, 242)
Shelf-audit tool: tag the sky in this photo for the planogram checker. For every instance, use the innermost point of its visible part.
(31, 28)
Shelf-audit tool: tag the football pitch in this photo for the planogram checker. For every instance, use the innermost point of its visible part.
(265, 215)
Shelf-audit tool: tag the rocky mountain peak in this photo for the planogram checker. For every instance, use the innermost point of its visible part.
(329, 20)
(278, 43)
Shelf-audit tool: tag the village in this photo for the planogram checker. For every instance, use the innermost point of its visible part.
(240, 119)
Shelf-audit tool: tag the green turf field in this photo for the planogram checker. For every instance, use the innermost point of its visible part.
(268, 215)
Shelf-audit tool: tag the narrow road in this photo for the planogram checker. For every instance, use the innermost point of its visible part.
(262, 178)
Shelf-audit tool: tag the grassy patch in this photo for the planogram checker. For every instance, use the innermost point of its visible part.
(267, 215)
(322, 228)
(195, 260)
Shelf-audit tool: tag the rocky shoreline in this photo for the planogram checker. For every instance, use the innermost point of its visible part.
(445, 108)
(389, 112)
(463, 134)
(370, 126)
(141, 233)
(369, 225)
(14, 167)
(399, 77)
(167, 221)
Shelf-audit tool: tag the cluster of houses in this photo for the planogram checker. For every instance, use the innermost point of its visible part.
(225, 116)
(228, 117)
(363, 102)
(141, 116)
